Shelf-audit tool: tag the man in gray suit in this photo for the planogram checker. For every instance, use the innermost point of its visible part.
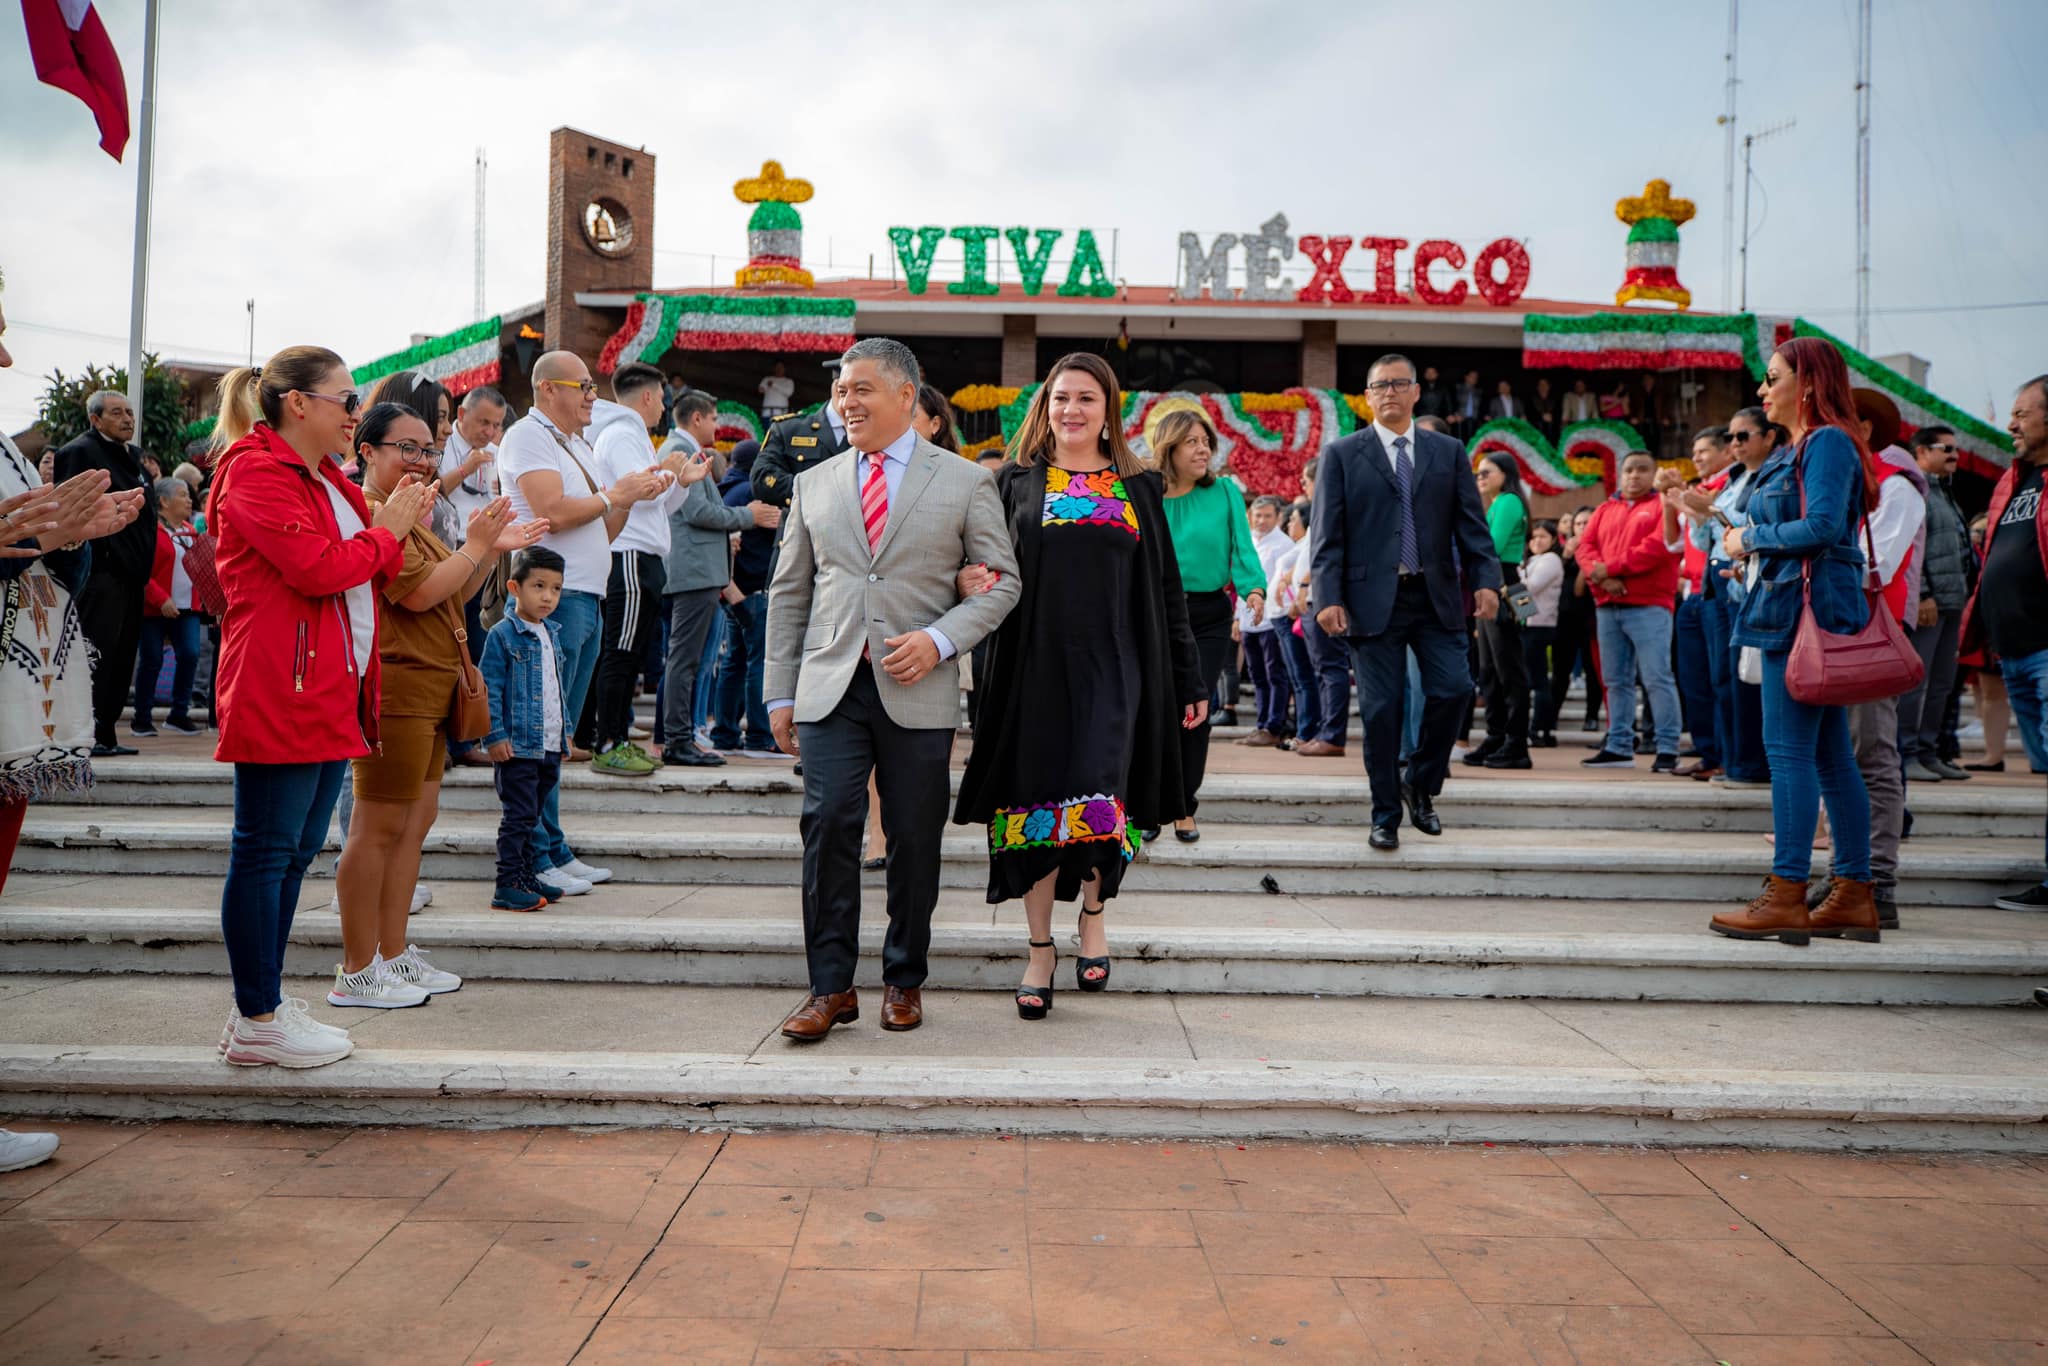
(865, 623)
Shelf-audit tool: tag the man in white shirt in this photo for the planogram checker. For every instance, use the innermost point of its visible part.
(622, 437)
(549, 471)
(469, 481)
(1262, 656)
(776, 391)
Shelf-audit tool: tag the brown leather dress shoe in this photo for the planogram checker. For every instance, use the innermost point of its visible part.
(814, 1019)
(1319, 749)
(1260, 739)
(1850, 912)
(1778, 913)
(902, 1007)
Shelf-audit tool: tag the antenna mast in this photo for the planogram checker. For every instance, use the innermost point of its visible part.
(481, 166)
(1863, 176)
(1728, 170)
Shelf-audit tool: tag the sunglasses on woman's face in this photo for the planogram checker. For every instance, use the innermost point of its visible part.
(349, 399)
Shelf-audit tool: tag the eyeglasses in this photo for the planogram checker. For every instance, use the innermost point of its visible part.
(1389, 386)
(349, 399)
(411, 452)
(1945, 447)
(581, 386)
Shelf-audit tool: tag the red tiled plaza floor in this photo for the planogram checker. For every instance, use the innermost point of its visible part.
(228, 1244)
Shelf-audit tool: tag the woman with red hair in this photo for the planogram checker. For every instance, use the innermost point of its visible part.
(1804, 543)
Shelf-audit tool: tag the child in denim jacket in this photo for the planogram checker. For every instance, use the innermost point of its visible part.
(522, 669)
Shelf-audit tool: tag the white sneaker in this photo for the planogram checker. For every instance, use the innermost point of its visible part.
(412, 966)
(568, 882)
(422, 897)
(290, 1005)
(375, 986)
(25, 1150)
(291, 1039)
(576, 867)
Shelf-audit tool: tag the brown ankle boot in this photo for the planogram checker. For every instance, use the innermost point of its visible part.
(1778, 913)
(1850, 912)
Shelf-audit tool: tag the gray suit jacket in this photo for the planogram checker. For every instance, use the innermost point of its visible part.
(830, 597)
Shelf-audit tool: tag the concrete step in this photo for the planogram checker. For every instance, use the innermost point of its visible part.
(1306, 859)
(1327, 796)
(1331, 946)
(1116, 1064)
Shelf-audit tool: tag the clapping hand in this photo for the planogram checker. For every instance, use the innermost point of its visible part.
(639, 486)
(1668, 479)
(1693, 503)
(30, 516)
(686, 468)
(402, 511)
(103, 515)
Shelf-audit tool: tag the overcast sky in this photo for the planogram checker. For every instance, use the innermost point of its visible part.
(317, 156)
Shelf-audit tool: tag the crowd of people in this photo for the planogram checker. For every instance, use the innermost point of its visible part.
(401, 581)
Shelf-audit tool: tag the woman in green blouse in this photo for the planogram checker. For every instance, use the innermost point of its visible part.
(1213, 542)
(1501, 662)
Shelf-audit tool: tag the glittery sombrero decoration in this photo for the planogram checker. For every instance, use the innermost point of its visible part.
(775, 232)
(1653, 221)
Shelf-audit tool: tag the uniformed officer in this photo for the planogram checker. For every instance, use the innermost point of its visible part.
(794, 443)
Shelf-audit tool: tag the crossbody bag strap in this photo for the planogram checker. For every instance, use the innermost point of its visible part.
(570, 451)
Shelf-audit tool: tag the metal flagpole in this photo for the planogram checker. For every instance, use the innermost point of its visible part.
(144, 168)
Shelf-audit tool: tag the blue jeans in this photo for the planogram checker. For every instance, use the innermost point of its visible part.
(582, 619)
(187, 638)
(1301, 674)
(1812, 757)
(281, 816)
(1631, 639)
(1696, 687)
(707, 671)
(2026, 687)
(739, 678)
(1738, 706)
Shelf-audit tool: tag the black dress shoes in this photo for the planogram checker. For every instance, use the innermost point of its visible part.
(1385, 837)
(1421, 812)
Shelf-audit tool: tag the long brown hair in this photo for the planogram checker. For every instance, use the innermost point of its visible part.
(935, 405)
(1171, 434)
(1825, 400)
(1034, 439)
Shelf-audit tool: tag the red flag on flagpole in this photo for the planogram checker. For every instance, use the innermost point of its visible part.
(72, 52)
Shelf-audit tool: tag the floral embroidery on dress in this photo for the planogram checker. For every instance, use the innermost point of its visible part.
(1095, 499)
(1078, 820)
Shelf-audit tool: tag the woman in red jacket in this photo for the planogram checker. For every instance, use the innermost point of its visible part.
(299, 557)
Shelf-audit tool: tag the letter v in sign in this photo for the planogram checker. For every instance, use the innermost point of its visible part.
(1031, 265)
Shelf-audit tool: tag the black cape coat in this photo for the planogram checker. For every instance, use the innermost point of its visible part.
(1169, 677)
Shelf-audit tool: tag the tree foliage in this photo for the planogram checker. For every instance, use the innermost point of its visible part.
(61, 414)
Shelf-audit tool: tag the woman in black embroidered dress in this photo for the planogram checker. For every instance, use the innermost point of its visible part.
(1088, 679)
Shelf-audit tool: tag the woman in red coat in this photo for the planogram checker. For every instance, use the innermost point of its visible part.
(300, 557)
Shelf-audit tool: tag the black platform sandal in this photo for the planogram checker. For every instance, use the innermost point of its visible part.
(1034, 1002)
(1084, 966)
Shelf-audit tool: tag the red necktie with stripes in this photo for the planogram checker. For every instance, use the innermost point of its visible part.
(874, 506)
(874, 500)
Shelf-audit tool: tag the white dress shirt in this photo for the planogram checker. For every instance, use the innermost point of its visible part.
(1387, 437)
(550, 683)
(480, 488)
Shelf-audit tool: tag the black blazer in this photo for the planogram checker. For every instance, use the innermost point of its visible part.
(792, 444)
(1356, 529)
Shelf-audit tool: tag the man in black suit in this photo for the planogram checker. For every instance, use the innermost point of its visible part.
(1397, 517)
(110, 604)
(793, 444)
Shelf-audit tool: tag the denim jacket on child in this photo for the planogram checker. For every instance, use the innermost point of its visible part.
(1829, 536)
(511, 670)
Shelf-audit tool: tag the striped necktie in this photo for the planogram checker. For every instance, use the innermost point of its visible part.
(874, 499)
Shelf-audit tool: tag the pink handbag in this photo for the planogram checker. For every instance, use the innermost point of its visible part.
(1829, 670)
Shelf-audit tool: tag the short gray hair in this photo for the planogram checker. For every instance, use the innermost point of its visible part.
(1267, 500)
(170, 486)
(483, 393)
(96, 406)
(892, 355)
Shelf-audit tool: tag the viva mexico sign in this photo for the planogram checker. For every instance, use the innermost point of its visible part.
(1441, 274)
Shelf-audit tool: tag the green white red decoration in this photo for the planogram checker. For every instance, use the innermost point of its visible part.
(1586, 454)
(1653, 219)
(1643, 341)
(736, 422)
(458, 362)
(775, 232)
(655, 323)
(1265, 438)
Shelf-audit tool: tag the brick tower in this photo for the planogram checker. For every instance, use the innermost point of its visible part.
(600, 234)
